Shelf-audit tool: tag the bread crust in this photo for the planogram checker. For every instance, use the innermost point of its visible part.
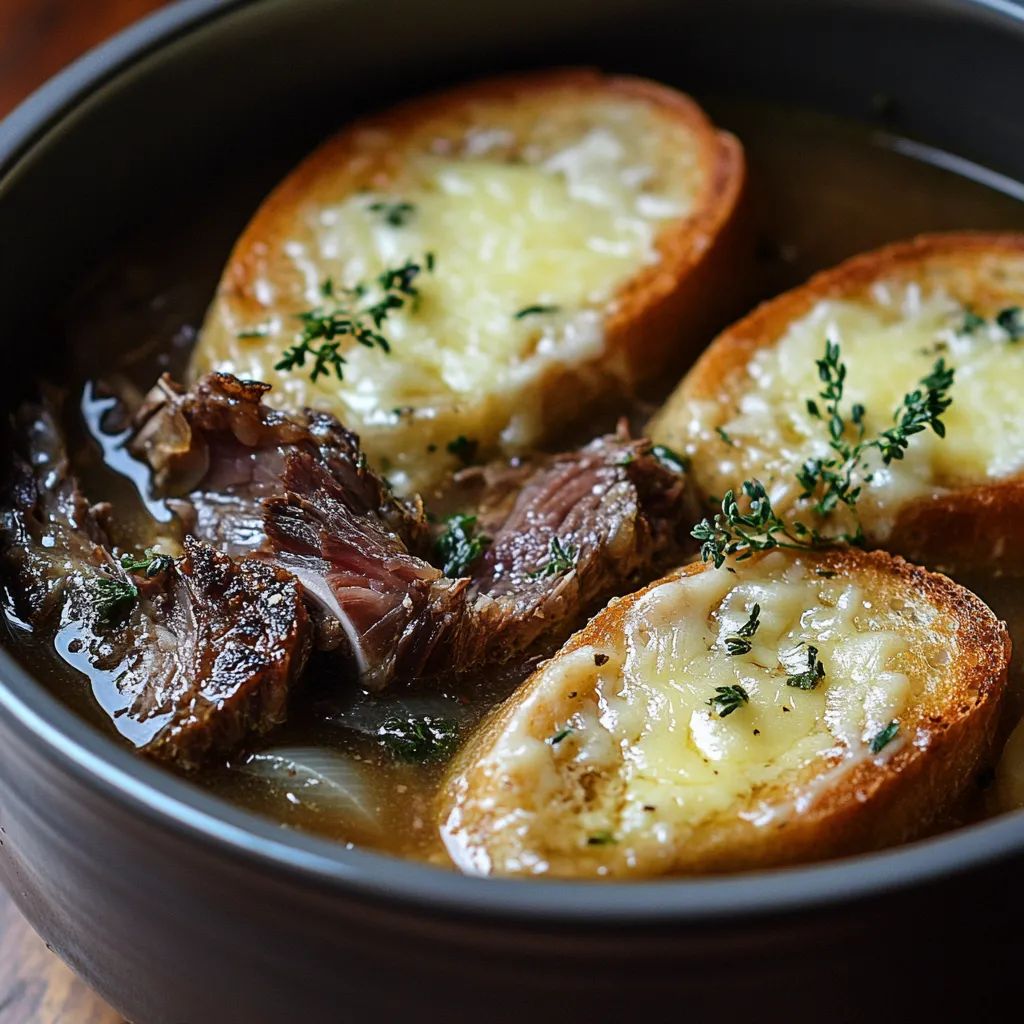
(972, 527)
(657, 317)
(875, 804)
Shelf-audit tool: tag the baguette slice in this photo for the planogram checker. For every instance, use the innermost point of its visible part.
(611, 762)
(952, 503)
(599, 209)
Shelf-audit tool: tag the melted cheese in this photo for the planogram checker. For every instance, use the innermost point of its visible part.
(649, 763)
(889, 342)
(549, 225)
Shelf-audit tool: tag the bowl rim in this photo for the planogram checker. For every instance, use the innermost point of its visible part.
(175, 805)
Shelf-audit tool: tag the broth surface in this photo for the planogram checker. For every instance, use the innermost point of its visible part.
(823, 190)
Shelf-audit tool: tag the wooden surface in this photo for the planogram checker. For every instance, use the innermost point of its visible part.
(37, 38)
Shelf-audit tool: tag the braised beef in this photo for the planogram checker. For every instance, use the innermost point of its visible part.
(186, 658)
(217, 451)
(585, 526)
(389, 607)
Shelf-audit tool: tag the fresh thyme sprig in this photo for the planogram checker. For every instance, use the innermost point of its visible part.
(459, 546)
(812, 675)
(349, 314)
(832, 481)
(738, 643)
(563, 559)
(741, 534)
(727, 699)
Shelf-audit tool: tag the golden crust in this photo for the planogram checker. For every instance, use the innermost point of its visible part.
(973, 527)
(875, 804)
(655, 319)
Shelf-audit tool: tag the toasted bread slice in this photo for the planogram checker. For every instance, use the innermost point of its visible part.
(577, 225)
(631, 754)
(952, 502)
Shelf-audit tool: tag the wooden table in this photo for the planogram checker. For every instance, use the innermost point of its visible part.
(37, 38)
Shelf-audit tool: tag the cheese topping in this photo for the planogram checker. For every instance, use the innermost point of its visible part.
(557, 226)
(648, 761)
(889, 342)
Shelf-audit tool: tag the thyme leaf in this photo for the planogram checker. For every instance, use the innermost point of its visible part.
(111, 597)
(464, 449)
(727, 699)
(394, 214)
(885, 736)
(563, 559)
(151, 565)
(357, 314)
(812, 675)
(459, 547)
(537, 310)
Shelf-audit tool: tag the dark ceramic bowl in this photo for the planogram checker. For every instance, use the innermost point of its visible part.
(179, 908)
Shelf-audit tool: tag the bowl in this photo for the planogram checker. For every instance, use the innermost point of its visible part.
(177, 907)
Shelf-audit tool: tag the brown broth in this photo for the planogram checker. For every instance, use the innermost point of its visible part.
(822, 190)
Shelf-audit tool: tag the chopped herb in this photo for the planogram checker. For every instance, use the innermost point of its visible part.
(971, 321)
(112, 597)
(419, 740)
(464, 449)
(350, 314)
(255, 332)
(395, 215)
(1012, 321)
(535, 311)
(669, 459)
(563, 559)
(153, 564)
(812, 675)
(828, 574)
(885, 736)
(602, 838)
(737, 642)
(457, 548)
(720, 431)
(727, 699)
(560, 735)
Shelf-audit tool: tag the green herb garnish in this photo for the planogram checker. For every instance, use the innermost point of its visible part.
(563, 559)
(669, 459)
(464, 449)
(733, 532)
(1012, 321)
(534, 310)
(350, 314)
(419, 740)
(885, 736)
(832, 480)
(111, 597)
(262, 331)
(812, 675)
(153, 564)
(727, 699)
(971, 321)
(738, 643)
(396, 214)
(457, 548)
(602, 838)
(720, 431)
(559, 736)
